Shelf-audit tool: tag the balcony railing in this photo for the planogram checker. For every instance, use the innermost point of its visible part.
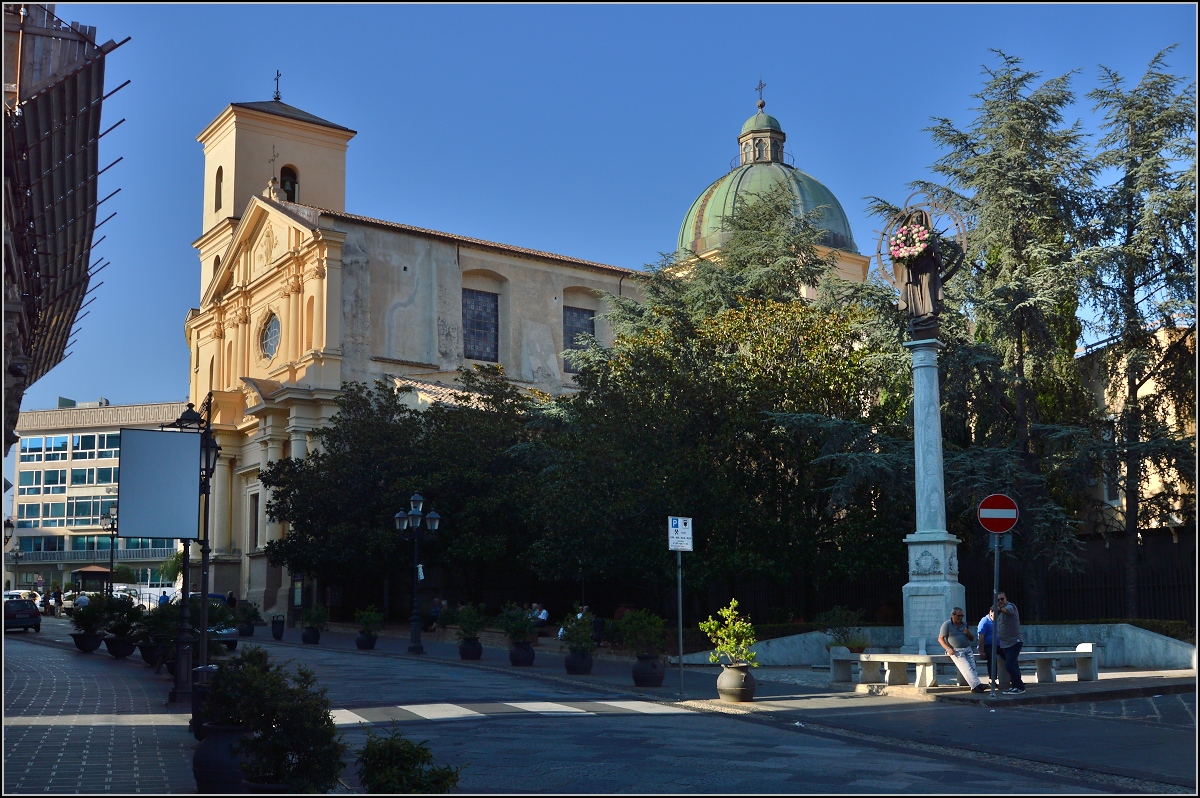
(87, 555)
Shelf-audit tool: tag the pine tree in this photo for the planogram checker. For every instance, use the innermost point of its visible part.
(1141, 268)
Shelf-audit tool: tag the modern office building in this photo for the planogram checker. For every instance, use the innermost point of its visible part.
(68, 464)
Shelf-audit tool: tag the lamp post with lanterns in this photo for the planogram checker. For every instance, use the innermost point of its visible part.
(409, 523)
(9, 530)
(110, 526)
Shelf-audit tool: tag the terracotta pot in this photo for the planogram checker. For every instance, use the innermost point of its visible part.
(365, 642)
(470, 648)
(648, 671)
(521, 654)
(310, 636)
(578, 663)
(119, 647)
(736, 683)
(87, 642)
(216, 764)
(149, 652)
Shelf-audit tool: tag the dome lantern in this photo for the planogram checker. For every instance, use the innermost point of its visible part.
(761, 139)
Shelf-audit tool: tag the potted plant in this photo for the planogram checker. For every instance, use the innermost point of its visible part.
(388, 763)
(316, 618)
(371, 621)
(247, 616)
(121, 620)
(517, 624)
(89, 624)
(732, 638)
(644, 633)
(577, 637)
(470, 622)
(268, 728)
(843, 625)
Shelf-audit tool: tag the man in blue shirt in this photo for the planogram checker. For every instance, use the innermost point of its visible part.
(984, 631)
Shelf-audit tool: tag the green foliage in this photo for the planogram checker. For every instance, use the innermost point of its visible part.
(121, 616)
(840, 623)
(171, 567)
(643, 632)
(470, 621)
(247, 612)
(731, 637)
(516, 623)
(316, 618)
(124, 574)
(388, 763)
(161, 619)
(293, 739)
(92, 618)
(577, 630)
(370, 619)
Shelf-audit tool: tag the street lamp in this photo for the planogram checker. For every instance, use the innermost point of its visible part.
(9, 530)
(411, 521)
(110, 526)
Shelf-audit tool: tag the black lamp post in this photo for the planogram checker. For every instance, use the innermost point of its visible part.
(110, 526)
(411, 521)
(209, 451)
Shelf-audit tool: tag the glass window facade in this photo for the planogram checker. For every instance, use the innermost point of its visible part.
(481, 325)
(31, 450)
(56, 448)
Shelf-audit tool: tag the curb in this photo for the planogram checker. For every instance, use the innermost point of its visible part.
(1165, 687)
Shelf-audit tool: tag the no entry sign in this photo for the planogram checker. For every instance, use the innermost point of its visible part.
(997, 513)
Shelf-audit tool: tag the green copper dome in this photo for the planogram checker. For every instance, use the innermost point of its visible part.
(761, 121)
(761, 167)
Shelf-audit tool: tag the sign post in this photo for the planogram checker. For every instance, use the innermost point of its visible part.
(679, 540)
(997, 514)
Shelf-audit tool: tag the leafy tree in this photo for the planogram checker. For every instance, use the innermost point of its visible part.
(1141, 267)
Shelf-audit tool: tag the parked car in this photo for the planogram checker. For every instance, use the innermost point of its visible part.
(68, 603)
(21, 613)
(225, 633)
(32, 595)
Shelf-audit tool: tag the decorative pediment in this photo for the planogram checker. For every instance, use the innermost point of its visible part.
(261, 235)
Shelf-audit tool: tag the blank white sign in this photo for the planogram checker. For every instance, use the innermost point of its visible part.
(158, 489)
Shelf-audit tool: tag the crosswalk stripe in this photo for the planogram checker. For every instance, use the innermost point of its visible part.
(441, 711)
(344, 717)
(548, 708)
(647, 707)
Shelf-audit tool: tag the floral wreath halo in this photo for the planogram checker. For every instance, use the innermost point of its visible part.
(899, 243)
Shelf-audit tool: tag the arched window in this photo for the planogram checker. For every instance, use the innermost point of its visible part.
(758, 150)
(268, 339)
(216, 265)
(308, 324)
(228, 365)
(290, 183)
(220, 187)
(746, 152)
(774, 150)
(211, 361)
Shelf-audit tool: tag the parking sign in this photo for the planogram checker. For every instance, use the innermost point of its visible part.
(679, 533)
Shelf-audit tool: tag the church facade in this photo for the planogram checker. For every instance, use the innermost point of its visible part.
(299, 296)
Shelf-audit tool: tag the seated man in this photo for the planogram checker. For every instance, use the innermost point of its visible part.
(540, 616)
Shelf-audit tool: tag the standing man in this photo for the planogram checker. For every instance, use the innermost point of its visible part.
(1008, 641)
(164, 599)
(58, 603)
(985, 630)
(955, 638)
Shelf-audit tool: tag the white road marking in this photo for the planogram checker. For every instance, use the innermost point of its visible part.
(647, 707)
(344, 717)
(441, 711)
(548, 708)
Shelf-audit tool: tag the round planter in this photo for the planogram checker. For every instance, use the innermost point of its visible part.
(648, 671)
(521, 654)
(216, 764)
(736, 683)
(260, 788)
(470, 648)
(87, 642)
(119, 647)
(149, 652)
(246, 630)
(579, 663)
(277, 628)
(311, 636)
(365, 642)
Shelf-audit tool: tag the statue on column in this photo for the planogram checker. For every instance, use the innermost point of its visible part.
(920, 265)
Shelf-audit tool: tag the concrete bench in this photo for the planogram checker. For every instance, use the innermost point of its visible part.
(893, 668)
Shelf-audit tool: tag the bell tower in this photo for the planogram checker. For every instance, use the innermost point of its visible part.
(250, 144)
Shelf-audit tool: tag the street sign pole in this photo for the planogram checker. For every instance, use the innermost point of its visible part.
(994, 666)
(679, 540)
(679, 597)
(997, 514)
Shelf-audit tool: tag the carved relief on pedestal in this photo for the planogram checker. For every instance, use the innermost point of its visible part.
(952, 565)
(925, 564)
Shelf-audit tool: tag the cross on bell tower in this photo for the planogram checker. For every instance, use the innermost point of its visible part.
(759, 89)
(277, 97)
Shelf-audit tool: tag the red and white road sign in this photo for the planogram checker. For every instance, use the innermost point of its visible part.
(998, 513)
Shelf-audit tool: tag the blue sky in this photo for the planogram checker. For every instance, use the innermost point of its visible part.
(581, 130)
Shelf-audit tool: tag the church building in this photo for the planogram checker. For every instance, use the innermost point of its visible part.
(298, 296)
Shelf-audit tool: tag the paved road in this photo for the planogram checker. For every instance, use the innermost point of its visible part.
(87, 723)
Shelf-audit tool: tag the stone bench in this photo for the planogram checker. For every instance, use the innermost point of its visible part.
(892, 669)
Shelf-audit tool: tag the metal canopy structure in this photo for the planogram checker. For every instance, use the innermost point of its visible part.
(54, 90)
